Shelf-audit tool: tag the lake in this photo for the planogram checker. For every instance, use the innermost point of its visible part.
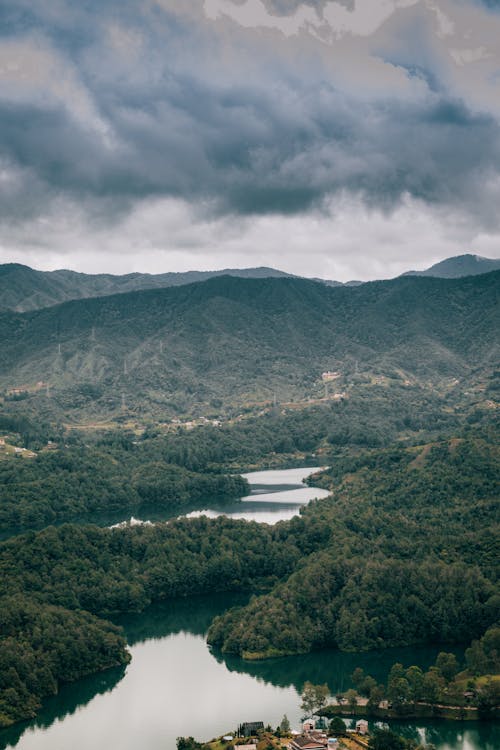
(175, 685)
(275, 495)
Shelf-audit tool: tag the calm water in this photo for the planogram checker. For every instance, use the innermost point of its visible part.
(176, 686)
(276, 495)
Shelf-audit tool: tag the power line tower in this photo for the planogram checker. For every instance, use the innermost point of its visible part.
(124, 405)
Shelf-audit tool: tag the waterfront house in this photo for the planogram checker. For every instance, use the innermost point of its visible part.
(308, 741)
(362, 726)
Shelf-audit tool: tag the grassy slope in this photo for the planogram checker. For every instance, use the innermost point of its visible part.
(235, 340)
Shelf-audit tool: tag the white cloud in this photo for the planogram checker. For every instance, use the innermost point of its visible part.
(365, 18)
(362, 20)
(345, 241)
(254, 14)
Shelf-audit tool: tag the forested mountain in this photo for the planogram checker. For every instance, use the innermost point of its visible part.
(23, 288)
(114, 473)
(461, 265)
(404, 551)
(408, 554)
(232, 341)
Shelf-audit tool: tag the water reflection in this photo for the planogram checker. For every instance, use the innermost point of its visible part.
(449, 735)
(332, 666)
(192, 615)
(276, 495)
(70, 699)
(176, 686)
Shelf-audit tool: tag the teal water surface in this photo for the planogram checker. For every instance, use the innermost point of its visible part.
(176, 686)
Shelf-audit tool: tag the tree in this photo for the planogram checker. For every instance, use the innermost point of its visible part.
(337, 726)
(447, 664)
(415, 678)
(285, 724)
(352, 699)
(431, 687)
(188, 743)
(397, 671)
(488, 697)
(363, 682)
(313, 697)
(376, 695)
(358, 677)
(477, 662)
(384, 739)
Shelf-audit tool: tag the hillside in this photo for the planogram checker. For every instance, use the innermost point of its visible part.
(229, 341)
(402, 552)
(461, 265)
(408, 555)
(23, 288)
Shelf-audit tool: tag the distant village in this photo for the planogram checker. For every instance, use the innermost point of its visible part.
(313, 735)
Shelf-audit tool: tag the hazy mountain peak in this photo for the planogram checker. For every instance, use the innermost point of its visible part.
(458, 266)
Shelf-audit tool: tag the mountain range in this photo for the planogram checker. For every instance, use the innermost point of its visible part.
(230, 341)
(460, 265)
(23, 288)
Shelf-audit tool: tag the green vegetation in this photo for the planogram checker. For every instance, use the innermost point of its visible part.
(23, 288)
(405, 553)
(42, 646)
(397, 555)
(214, 347)
(386, 739)
(402, 552)
(76, 482)
(76, 574)
(122, 472)
(313, 698)
(444, 689)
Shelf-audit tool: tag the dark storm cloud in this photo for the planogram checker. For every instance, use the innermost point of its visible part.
(155, 104)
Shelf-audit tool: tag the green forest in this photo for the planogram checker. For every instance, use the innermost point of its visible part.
(121, 471)
(408, 554)
(80, 481)
(403, 551)
(215, 347)
(449, 688)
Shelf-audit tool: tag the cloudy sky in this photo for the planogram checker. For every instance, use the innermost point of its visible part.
(333, 138)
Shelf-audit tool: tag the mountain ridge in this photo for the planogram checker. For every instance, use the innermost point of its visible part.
(459, 266)
(23, 288)
(232, 340)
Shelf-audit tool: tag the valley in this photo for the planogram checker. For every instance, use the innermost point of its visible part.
(392, 386)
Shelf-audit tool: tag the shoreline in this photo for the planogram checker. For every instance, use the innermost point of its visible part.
(421, 711)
